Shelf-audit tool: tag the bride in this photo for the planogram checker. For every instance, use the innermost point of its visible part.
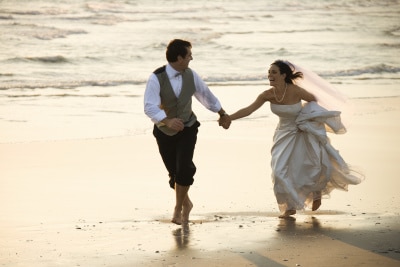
(305, 166)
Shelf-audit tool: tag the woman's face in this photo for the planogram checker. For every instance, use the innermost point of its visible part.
(274, 76)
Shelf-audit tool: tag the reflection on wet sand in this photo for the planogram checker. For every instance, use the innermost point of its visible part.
(311, 225)
(181, 236)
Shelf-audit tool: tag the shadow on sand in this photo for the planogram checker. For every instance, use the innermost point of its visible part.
(372, 233)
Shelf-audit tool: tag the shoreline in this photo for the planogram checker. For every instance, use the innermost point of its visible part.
(37, 123)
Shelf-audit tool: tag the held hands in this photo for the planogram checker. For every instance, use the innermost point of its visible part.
(224, 121)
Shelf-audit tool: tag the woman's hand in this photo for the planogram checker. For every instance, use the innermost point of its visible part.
(224, 121)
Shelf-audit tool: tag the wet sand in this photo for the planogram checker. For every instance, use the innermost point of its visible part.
(106, 202)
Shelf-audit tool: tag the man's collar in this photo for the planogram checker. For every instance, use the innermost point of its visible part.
(171, 72)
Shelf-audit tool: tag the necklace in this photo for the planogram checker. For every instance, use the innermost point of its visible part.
(284, 93)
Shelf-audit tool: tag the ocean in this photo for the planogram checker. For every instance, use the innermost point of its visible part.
(77, 69)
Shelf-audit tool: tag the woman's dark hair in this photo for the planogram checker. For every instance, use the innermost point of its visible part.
(177, 48)
(288, 69)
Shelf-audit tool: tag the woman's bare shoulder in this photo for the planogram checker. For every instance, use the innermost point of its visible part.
(303, 93)
(268, 94)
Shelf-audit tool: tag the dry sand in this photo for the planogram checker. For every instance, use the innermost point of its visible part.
(106, 202)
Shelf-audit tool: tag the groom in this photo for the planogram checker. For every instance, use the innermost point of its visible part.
(168, 103)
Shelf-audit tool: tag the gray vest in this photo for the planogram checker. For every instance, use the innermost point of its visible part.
(176, 107)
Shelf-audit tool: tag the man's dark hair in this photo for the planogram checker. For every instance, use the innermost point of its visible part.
(177, 48)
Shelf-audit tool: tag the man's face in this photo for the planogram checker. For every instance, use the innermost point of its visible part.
(184, 62)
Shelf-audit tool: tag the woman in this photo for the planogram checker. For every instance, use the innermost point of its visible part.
(304, 164)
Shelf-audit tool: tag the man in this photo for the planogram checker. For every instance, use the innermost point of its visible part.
(168, 102)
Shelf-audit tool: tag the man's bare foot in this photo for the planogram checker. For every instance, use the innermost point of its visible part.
(177, 217)
(186, 211)
(287, 214)
(316, 204)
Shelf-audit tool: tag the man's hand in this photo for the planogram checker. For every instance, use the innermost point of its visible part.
(174, 123)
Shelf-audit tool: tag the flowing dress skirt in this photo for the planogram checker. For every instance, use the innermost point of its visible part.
(304, 164)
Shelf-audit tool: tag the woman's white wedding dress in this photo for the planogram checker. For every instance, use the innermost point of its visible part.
(305, 166)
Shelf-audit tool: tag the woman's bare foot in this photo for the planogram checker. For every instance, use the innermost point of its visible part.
(177, 217)
(316, 204)
(287, 214)
(187, 207)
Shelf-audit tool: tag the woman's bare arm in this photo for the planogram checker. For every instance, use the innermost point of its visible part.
(244, 112)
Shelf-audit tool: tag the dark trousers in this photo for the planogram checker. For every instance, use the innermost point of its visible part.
(177, 154)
